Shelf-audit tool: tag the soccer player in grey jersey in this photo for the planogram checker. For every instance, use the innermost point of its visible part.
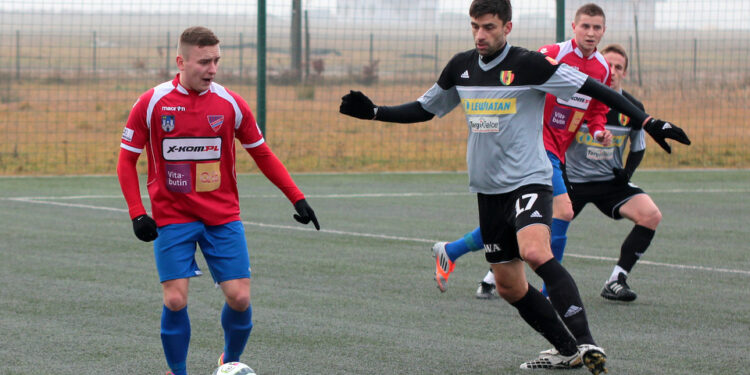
(502, 90)
(596, 175)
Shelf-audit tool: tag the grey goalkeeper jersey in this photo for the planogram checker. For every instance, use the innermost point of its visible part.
(587, 160)
(504, 105)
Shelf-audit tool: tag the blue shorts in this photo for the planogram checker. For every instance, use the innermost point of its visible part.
(558, 182)
(223, 246)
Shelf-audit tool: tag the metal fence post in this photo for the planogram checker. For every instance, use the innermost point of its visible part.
(261, 88)
(560, 24)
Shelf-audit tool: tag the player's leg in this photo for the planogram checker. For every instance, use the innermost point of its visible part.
(535, 310)
(644, 213)
(534, 247)
(502, 254)
(174, 252)
(175, 325)
(563, 294)
(225, 250)
(446, 254)
(562, 211)
(236, 318)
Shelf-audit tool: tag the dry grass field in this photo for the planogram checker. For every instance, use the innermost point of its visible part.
(58, 126)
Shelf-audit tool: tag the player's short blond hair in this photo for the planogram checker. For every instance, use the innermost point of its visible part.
(591, 10)
(196, 36)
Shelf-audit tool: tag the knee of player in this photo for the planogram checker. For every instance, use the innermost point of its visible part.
(175, 301)
(650, 218)
(510, 292)
(239, 301)
(654, 217)
(564, 213)
(536, 256)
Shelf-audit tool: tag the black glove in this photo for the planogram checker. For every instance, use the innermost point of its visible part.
(145, 228)
(622, 176)
(305, 213)
(660, 130)
(357, 104)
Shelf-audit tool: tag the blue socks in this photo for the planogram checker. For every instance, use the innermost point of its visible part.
(175, 335)
(175, 338)
(469, 242)
(558, 239)
(237, 326)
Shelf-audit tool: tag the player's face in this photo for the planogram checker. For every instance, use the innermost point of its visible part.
(490, 33)
(617, 68)
(198, 66)
(588, 32)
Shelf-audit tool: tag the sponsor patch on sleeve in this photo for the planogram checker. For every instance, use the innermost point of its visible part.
(127, 134)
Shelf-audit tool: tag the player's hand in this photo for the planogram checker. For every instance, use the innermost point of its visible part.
(622, 176)
(305, 213)
(145, 228)
(604, 137)
(660, 130)
(357, 104)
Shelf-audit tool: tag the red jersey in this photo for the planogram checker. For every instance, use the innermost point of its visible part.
(189, 140)
(562, 118)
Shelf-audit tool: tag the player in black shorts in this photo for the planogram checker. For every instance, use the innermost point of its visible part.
(502, 89)
(596, 175)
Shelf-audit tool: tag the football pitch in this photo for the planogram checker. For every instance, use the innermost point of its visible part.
(79, 293)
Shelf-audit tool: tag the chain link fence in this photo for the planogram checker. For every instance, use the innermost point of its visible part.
(71, 70)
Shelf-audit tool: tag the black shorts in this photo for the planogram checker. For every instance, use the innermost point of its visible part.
(502, 215)
(608, 196)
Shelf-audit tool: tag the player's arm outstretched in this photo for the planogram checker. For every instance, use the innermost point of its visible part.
(659, 130)
(357, 104)
(274, 170)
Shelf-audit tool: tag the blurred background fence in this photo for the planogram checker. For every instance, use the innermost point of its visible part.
(71, 70)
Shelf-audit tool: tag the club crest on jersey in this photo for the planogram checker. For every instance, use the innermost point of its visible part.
(624, 120)
(215, 121)
(506, 77)
(167, 123)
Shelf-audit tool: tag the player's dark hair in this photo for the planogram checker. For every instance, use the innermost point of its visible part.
(618, 49)
(501, 8)
(196, 36)
(591, 10)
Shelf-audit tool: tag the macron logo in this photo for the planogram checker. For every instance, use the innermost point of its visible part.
(465, 74)
(572, 310)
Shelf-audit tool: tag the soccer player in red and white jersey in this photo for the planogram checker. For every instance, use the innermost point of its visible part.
(562, 119)
(188, 128)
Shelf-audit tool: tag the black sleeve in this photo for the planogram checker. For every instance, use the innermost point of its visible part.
(404, 113)
(634, 160)
(612, 99)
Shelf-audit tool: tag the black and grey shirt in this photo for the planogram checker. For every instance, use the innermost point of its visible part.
(504, 105)
(587, 160)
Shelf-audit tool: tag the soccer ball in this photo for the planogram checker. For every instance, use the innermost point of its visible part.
(234, 368)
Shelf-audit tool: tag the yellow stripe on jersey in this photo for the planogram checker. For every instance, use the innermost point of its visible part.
(489, 106)
(588, 139)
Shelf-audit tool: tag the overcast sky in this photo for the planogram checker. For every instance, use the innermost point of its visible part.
(698, 14)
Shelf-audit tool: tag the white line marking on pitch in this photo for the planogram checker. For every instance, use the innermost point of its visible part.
(367, 195)
(381, 236)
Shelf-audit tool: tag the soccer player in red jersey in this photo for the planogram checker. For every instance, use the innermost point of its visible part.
(188, 128)
(563, 118)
